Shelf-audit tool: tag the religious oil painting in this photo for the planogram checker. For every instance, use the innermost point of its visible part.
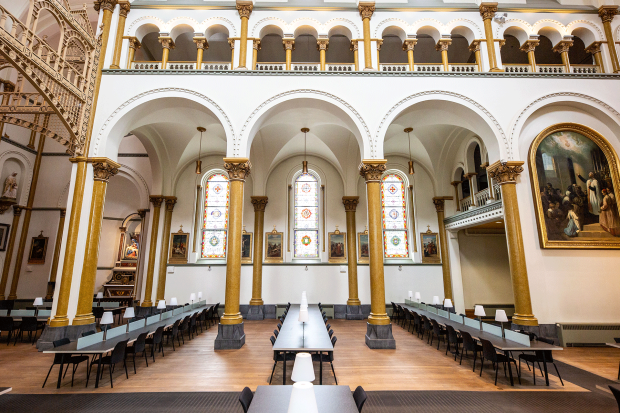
(132, 246)
(430, 248)
(246, 247)
(337, 246)
(178, 247)
(274, 246)
(363, 252)
(4, 236)
(38, 249)
(574, 175)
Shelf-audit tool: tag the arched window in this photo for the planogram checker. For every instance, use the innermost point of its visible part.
(215, 222)
(394, 210)
(306, 216)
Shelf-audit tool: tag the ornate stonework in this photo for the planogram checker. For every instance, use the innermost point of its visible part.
(166, 42)
(366, 10)
(104, 169)
(17, 209)
(488, 10)
(379, 44)
(124, 8)
(256, 44)
(529, 46)
(201, 43)
(237, 168)
(170, 202)
(156, 200)
(350, 202)
(563, 46)
(353, 46)
(105, 5)
(439, 204)
(442, 45)
(245, 9)
(505, 172)
(372, 170)
(409, 44)
(259, 202)
(594, 48)
(607, 13)
(288, 44)
(142, 212)
(474, 46)
(134, 43)
(231, 43)
(321, 44)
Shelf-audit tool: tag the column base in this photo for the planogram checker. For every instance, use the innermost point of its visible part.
(229, 337)
(147, 303)
(73, 332)
(354, 301)
(380, 337)
(257, 301)
(255, 312)
(369, 69)
(524, 319)
(354, 312)
(83, 319)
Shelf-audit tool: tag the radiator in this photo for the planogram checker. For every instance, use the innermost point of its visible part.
(579, 334)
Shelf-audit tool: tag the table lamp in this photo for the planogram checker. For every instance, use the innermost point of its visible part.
(99, 297)
(418, 296)
(304, 301)
(106, 319)
(410, 294)
(192, 297)
(448, 304)
(161, 305)
(500, 316)
(173, 301)
(199, 295)
(37, 302)
(302, 399)
(303, 370)
(435, 300)
(479, 312)
(303, 318)
(129, 313)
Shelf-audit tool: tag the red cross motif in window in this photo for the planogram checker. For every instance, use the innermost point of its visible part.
(392, 189)
(217, 188)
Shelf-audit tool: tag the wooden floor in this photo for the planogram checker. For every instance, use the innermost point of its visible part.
(195, 366)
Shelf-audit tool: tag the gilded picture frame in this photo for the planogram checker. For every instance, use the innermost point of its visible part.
(274, 246)
(337, 243)
(431, 253)
(38, 249)
(556, 228)
(178, 247)
(247, 242)
(363, 249)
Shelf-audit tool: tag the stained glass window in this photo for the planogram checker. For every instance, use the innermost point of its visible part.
(215, 218)
(394, 210)
(306, 217)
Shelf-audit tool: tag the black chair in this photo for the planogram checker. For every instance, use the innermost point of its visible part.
(68, 359)
(616, 392)
(193, 327)
(327, 357)
(278, 356)
(215, 315)
(275, 332)
(138, 346)
(98, 313)
(157, 340)
(29, 324)
(394, 311)
(88, 333)
(328, 326)
(469, 345)
(281, 320)
(245, 398)
(489, 353)
(331, 333)
(279, 326)
(438, 332)
(453, 338)
(173, 333)
(417, 323)
(408, 319)
(118, 355)
(540, 356)
(202, 318)
(426, 327)
(359, 395)
(7, 324)
(184, 327)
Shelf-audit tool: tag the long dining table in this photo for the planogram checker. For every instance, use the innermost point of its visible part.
(107, 346)
(498, 342)
(296, 337)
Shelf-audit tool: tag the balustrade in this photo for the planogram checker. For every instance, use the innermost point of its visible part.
(550, 68)
(463, 67)
(340, 67)
(393, 67)
(585, 69)
(428, 67)
(517, 68)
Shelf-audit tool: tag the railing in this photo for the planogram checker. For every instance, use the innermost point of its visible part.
(271, 66)
(393, 67)
(216, 66)
(517, 68)
(428, 67)
(463, 68)
(482, 198)
(181, 66)
(550, 68)
(306, 67)
(585, 69)
(340, 67)
(466, 203)
(146, 65)
(16, 102)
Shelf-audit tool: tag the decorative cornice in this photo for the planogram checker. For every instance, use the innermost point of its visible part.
(170, 202)
(366, 10)
(105, 5)
(245, 9)
(156, 200)
(350, 202)
(505, 172)
(259, 202)
(474, 215)
(607, 13)
(104, 168)
(488, 10)
(372, 169)
(238, 168)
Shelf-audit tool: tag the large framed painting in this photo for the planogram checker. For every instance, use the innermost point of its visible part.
(178, 247)
(430, 247)
(574, 173)
(363, 251)
(4, 236)
(38, 249)
(274, 251)
(246, 246)
(337, 246)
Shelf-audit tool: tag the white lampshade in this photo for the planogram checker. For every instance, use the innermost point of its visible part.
(129, 313)
(38, 301)
(303, 370)
(302, 399)
(303, 315)
(435, 300)
(107, 318)
(479, 311)
(304, 301)
(303, 294)
(99, 296)
(448, 303)
(410, 294)
(418, 296)
(192, 297)
(161, 305)
(500, 315)
(200, 295)
(173, 301)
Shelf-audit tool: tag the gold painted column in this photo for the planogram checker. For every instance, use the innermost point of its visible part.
(140, 263)
(353, 48)
(379, 44)
(289, 46)
(134, 44)
(595, 50)
(475, 47)
(26, 223)
(322, 44)
(366, 11)
(562, 48)
(506, 173)
(156, 200)
(17, 212)
(165, 246)
(103, 170)
(244, 9)
(408, 46)
(442, 46)
(456, 184)
(231, 43)
(607, 13)
(528, 47)
(201, 45)
(124, 7)
(57, 246)
(350, 206)
(167, 44)
(259, 202)
(439, 202)
(487, 11)
(255, 48)
(372, 170)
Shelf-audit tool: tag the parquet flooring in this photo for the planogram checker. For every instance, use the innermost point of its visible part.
(195, 366)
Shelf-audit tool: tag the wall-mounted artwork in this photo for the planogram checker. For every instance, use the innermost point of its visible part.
(246, 246)
(273, 246)
(178, 247)
(574, 173)
(337, 246)
(363, 251)
(430, 247)
(38, 249)
(4, 236)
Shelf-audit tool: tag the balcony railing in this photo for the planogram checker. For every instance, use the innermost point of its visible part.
(550, 68)
(393, 67)
(517, 68)
(428, 67)
(146, 65)
(273, 67)
(180, 66)
(216, 66)
(340, 67)
(482, 198)
(463, 68)
(305, 67)
(585, 69)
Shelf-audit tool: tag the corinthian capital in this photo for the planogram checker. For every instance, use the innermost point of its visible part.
(529, 46)
(505, 172)
(409, 44)
(563, 46)
(474, 46)
(134, 43)
(166, 42)
(442, 45)
(350, 202)
(237, 168)
(366, 10)
(244, 9)
(594, 47)
(288, 44)
(439, 202)
(607, 13)
(259, 202)
(105, 5)
(353, 46)
(124, 8)
(488, 10)
(256, 44)
(156, 200)
(104, 168)
(170, 202)
(201, 42)
(321, 44)
(372, 169)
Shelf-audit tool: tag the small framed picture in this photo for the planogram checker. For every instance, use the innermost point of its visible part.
(178, 247)
(363, 253)
(273, 246)
(4, 236)
(246, 246)
(430, 247)
(38, 249)
(337, 246)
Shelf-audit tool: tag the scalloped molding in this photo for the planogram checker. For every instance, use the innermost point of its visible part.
(341, 19)
(141, 19)
(206, 25)
(200, 27)
(10, 154)
(283, 25)
(535, 28)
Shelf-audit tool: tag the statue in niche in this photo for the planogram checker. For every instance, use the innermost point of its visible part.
(10, 187)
